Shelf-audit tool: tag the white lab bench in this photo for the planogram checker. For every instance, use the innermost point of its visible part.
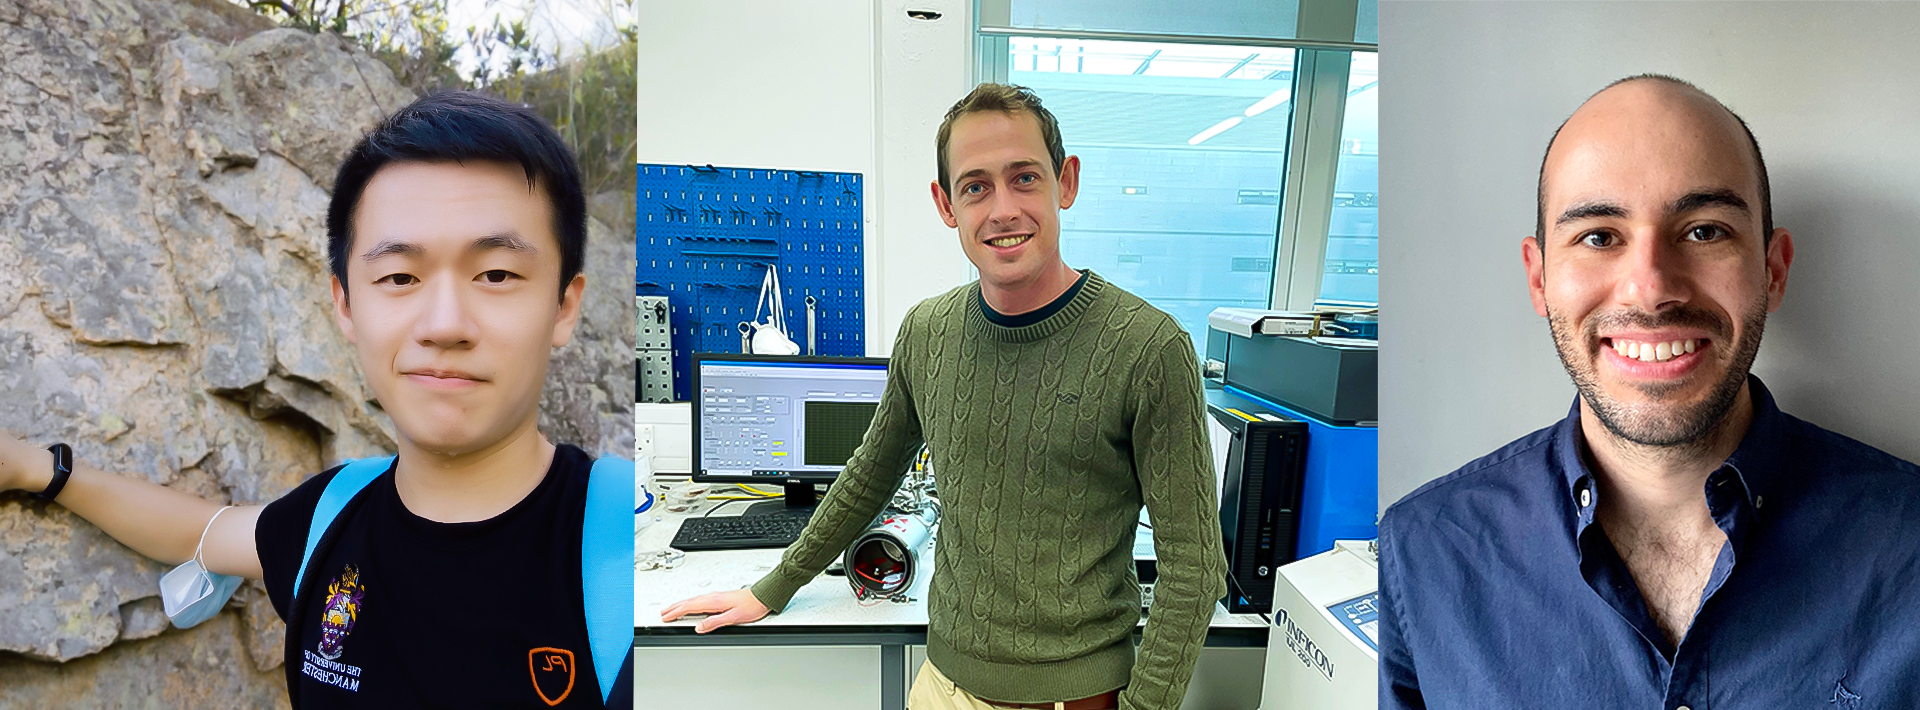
(827, 650)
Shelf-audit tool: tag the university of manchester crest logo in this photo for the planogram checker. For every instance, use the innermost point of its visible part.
(552, 670)
(342, 609)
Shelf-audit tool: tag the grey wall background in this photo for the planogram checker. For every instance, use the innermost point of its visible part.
(1832, 93)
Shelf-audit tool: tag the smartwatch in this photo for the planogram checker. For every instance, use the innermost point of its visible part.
(62, 469)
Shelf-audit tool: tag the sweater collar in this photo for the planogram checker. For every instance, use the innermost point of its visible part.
(978, 324)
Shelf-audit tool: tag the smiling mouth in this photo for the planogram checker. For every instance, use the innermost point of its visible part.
(443, 376)
(1655, 351)
(1009, 241)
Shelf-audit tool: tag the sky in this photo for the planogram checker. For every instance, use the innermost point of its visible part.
(562, 27)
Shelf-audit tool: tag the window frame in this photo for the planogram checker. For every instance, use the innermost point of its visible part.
(1321, 69)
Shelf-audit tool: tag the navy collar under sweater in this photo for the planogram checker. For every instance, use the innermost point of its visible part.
(1036, 315)
(1040, 323)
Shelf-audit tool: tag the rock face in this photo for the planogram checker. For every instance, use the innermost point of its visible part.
(202, 667)
(164, 174)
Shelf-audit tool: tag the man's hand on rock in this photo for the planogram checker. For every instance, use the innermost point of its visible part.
(23, 465)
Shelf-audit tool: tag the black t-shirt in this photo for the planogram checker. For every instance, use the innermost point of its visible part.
(405, 612)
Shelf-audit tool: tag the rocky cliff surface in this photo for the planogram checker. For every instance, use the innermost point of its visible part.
(164, 173)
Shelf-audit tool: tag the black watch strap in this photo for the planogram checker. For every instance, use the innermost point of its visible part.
(62, 469)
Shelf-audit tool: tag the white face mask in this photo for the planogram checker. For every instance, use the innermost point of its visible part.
(768, 337)
(190, 594)
(768, 340)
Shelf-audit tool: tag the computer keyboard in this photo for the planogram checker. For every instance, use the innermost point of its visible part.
(738, 532)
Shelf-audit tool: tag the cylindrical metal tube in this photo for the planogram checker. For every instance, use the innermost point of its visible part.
(884, 561)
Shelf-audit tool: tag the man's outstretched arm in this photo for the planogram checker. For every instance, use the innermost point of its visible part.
(861, 491)
(154, 520)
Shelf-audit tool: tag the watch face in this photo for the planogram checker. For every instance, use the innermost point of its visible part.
(62, 468)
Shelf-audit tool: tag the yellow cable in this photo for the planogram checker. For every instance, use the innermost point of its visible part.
(748, 494)
(750, 490)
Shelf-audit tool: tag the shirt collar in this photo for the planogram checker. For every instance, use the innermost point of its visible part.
(1755, 464)
(1759, 460)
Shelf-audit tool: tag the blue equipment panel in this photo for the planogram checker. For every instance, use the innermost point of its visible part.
(1361, 616)
(705, 235)
(1340, 496)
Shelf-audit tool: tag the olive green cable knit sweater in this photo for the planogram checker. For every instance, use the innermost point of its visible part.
(1046, 440)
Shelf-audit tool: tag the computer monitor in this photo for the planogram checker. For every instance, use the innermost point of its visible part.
(791, 421)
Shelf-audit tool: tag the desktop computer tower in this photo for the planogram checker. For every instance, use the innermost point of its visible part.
(1260, 496)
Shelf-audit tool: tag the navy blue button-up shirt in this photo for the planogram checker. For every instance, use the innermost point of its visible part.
(1497, 590)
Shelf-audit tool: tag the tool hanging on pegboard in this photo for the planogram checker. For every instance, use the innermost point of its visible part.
(706, 236)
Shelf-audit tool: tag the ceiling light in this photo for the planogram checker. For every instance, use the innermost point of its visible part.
(1217, 129)
(1274, 99)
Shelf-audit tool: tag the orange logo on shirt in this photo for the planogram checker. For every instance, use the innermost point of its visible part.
(549, 666)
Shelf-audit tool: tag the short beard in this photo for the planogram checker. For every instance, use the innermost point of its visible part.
(1670, 426)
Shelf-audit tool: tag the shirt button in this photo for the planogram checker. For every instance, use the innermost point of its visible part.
(1683, 707)
(1586, 498)
(1759, 501)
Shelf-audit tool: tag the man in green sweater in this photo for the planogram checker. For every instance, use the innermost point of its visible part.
(1055, 405)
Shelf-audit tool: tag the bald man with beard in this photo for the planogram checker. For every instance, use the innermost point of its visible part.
(1676, 542)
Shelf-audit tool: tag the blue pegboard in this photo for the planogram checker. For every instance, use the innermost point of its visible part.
(704, 236)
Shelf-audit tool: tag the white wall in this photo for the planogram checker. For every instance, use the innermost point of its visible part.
(757, 83)
(819, 85)
(1475, 91)
(922, 68)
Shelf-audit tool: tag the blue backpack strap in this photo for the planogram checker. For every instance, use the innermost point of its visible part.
(606, 567)
(340, 491)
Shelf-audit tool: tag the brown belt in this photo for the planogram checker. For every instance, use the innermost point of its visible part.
(1109, 700)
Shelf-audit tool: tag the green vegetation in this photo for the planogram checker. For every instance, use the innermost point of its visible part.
(587, 94)
(590, 99)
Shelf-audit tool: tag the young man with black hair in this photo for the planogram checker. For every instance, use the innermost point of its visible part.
(1056, 405)
(453, 578)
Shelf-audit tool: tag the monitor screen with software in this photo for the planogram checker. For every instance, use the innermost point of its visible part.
(781, 420)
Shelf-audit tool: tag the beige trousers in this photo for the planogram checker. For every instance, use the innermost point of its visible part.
(932, 691)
